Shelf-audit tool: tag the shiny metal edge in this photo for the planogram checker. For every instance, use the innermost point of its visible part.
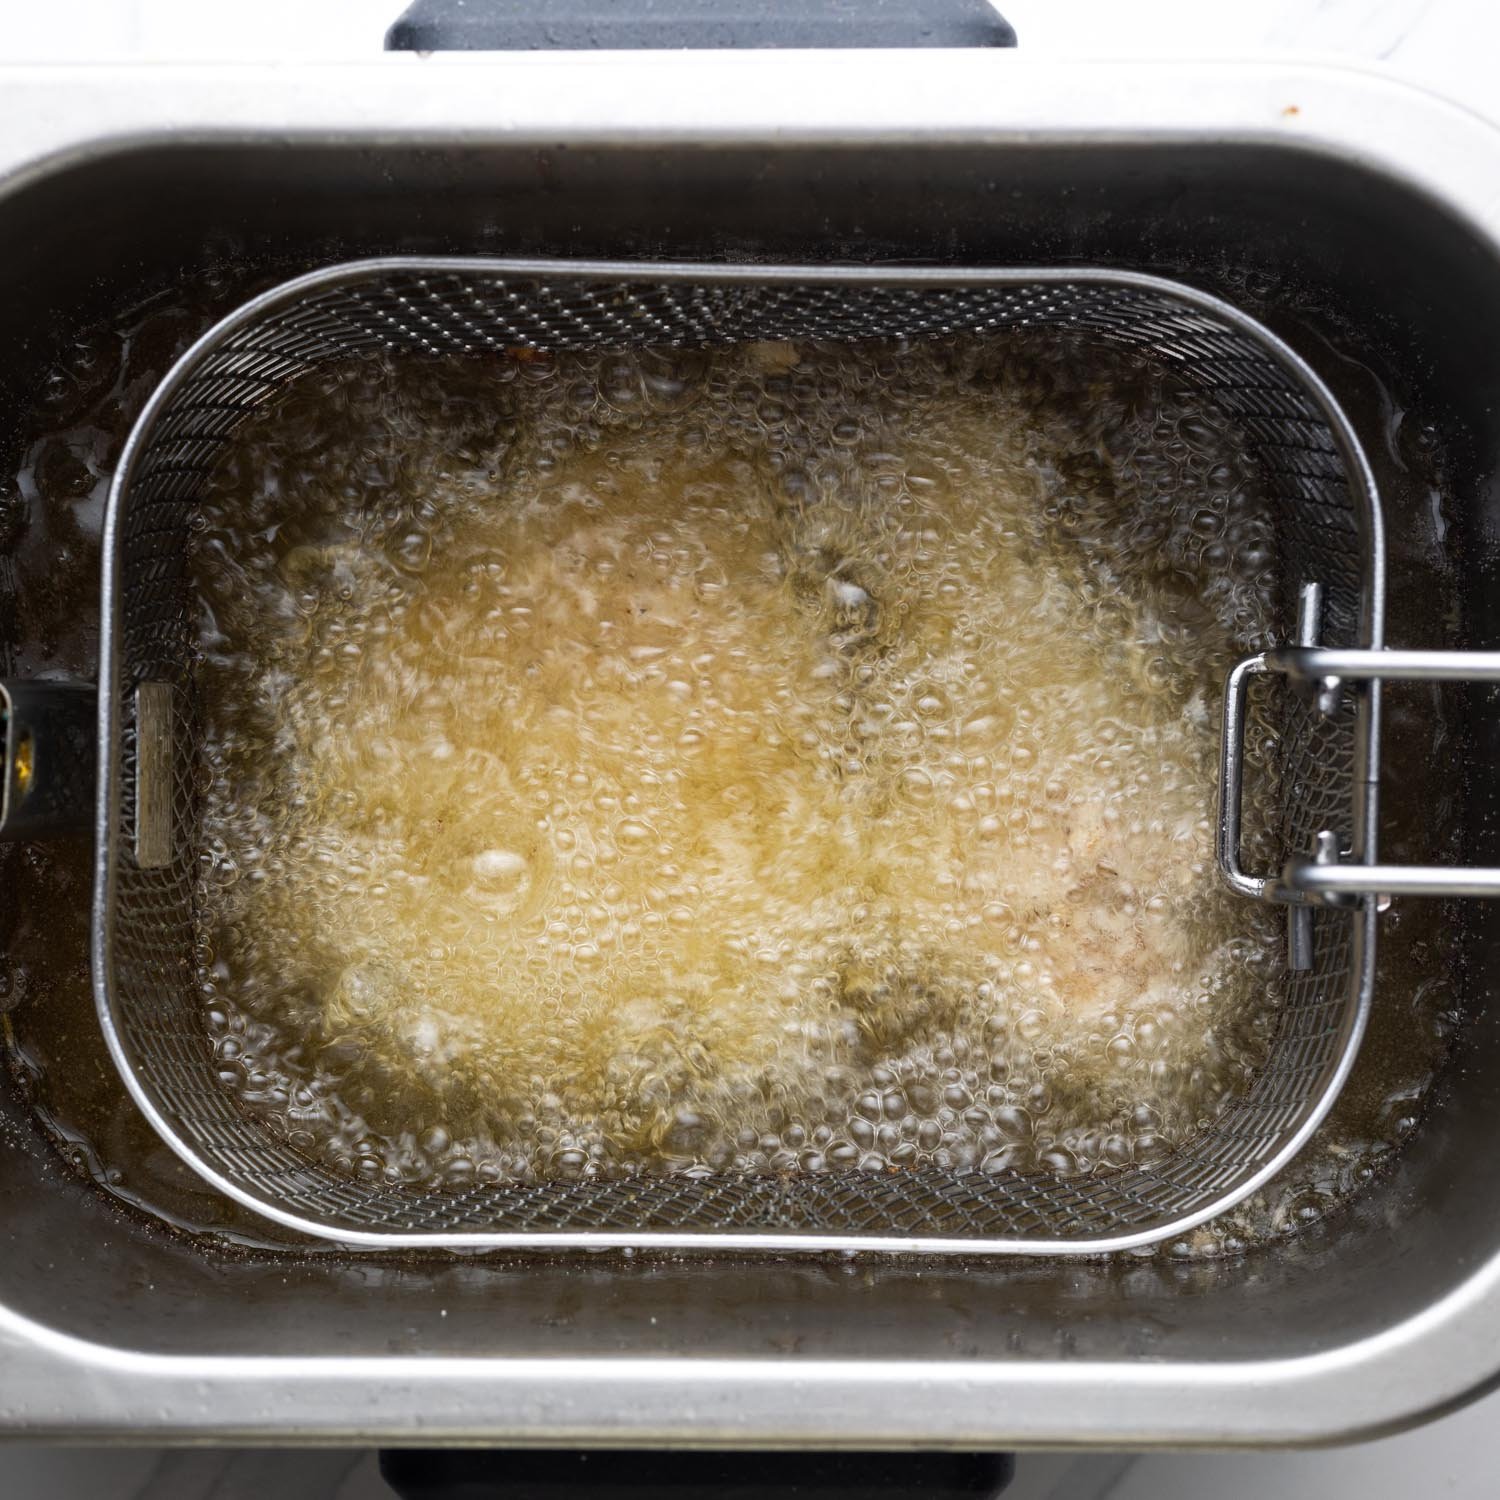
(10, 790)
(1232, 780)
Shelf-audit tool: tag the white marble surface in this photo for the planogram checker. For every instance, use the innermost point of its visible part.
(1447, 46)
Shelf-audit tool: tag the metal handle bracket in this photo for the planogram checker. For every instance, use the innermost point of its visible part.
(1320, 878)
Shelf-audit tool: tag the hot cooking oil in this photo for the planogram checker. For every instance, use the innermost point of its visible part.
(784, 758)
(1135, 497)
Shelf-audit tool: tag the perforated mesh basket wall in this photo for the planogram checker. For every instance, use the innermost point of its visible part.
(143, 923)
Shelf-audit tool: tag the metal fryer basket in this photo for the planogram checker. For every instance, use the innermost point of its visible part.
(1328, 530)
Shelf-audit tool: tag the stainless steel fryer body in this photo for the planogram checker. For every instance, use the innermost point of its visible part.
(112, 1329)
